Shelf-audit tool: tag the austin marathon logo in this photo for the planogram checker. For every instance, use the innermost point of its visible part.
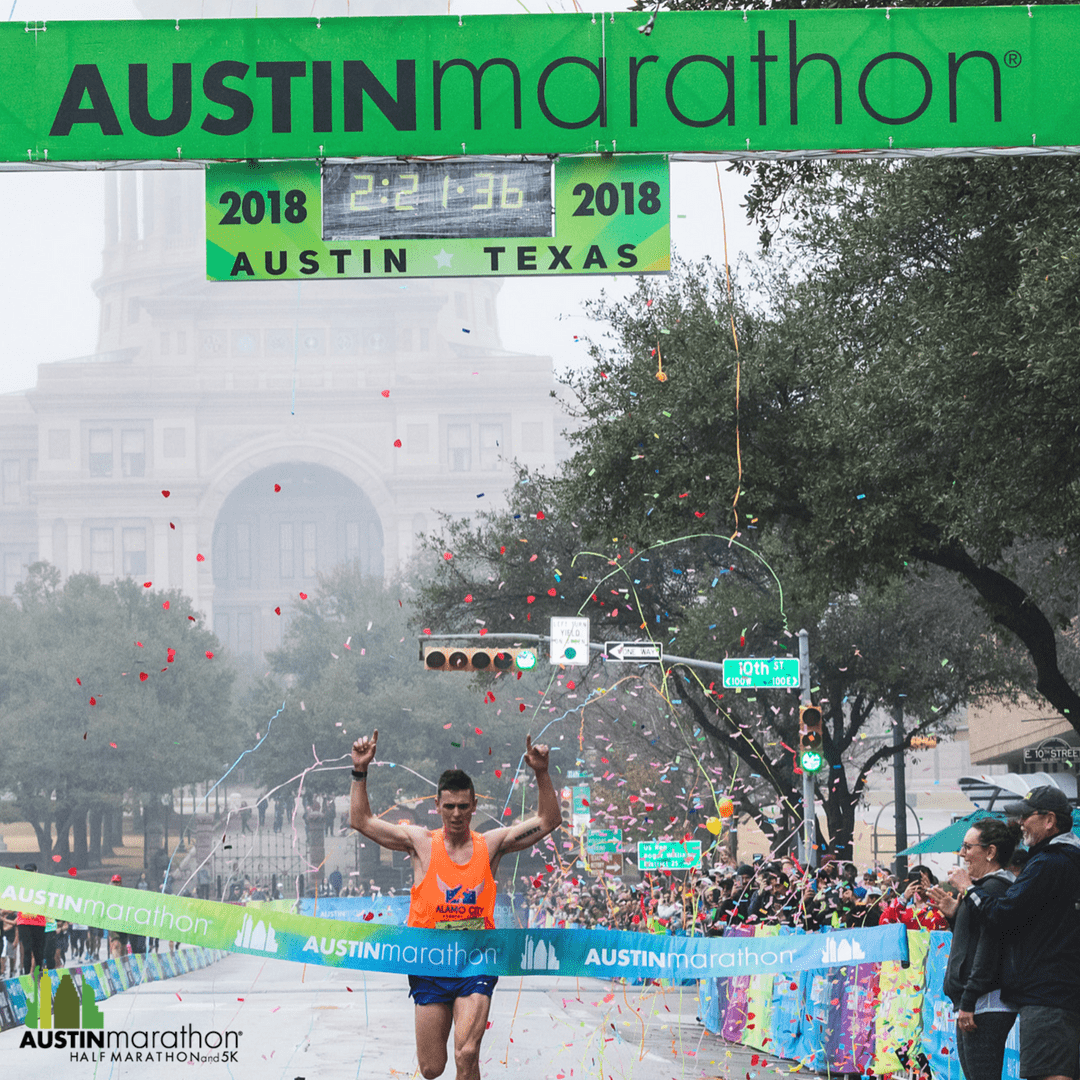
(839, 950)
(67, 1019)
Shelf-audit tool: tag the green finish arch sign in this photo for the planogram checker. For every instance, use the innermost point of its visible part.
(702, 82)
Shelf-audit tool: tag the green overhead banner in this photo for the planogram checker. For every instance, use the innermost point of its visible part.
(897, 79)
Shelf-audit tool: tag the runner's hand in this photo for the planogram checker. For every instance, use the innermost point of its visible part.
(536, 757)
(965, 1021)
(363, 751)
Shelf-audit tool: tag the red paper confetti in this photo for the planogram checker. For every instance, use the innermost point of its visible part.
(170, 655)
(139, 644)
(166, 493)
(502, 550)
(539, 515)
(72, 871)
(93, 701)
(56, 858)
(113, 745)
(303, 596)
(553, 592)
(397, 443)
(200, 558)
(530, 599)
(191, 618)
(571, 685)
(498, 774)
(277, 487)
(447, 555)
(143, 676)
(521, 708)
(277, 611)
(147, 584)
(165, 605)
(478, 731)
(209, 655)
(172, 526)
(78, 680)
(532, 558)
(468, 598)
(385, 393)
(368, 916)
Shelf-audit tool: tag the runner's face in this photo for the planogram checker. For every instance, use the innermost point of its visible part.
(456, 808)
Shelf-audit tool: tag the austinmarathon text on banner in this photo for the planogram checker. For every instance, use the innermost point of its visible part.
(277, 934)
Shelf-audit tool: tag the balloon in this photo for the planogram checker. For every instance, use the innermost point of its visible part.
(714, 825)
(726, 808)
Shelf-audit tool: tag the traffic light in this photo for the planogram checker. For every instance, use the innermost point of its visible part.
(811, 749)
(566, 807)
(453, 659)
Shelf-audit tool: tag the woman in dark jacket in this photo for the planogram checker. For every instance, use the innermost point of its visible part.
(973, 976)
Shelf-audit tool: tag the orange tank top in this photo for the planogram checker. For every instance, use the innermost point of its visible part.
(452, 896)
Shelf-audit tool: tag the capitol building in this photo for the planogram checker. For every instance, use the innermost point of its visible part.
(293, 425)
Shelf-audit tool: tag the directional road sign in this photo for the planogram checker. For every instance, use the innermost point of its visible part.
(648, 651)
(603, 841)
(569, 641)
(757, 672)
(669, 855)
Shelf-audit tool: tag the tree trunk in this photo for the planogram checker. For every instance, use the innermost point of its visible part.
(43, 831)
(110, 835)
(63, 827)
(79, 847)
(96, 818)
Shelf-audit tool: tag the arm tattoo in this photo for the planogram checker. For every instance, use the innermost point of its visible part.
(534, 829)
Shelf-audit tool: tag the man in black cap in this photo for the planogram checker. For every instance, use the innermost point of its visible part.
(1039, 923)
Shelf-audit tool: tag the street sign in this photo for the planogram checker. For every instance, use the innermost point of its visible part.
(648, 651)
(569, 641)
(605, 864)
(580, 812)
(1050, 750)
(761, 673)
(603, 841)
(669, 854)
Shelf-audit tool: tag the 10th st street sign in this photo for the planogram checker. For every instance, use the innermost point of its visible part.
(754, 672)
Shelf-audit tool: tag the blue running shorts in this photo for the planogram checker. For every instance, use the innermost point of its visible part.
(426, 991)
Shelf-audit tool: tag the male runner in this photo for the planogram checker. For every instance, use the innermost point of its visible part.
(453, 888)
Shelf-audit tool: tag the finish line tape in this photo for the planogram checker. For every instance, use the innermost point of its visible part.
(266, 932)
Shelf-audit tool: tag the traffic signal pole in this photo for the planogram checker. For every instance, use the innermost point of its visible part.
(809, 848)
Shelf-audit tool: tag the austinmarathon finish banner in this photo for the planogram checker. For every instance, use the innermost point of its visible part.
(268, 933)
(713, 81)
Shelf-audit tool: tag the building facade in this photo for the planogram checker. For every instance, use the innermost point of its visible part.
(234, 440)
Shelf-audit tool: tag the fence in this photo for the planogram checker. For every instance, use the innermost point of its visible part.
(867, 1018)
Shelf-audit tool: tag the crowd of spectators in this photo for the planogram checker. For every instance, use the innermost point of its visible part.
(710, 900)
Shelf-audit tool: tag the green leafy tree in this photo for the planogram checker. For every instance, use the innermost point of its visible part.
(104, 689)
(350, 663)
(915, 643)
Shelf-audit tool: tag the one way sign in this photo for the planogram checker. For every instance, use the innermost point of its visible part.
(634, 650)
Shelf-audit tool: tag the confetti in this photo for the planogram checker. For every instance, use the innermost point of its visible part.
(277, 487)
(303, 596)
(93, 701)
(209, 655)
(277, 611)
(165, 605)
(166, 493)
(385, 393)
(143, 676)
(72, 871)
(200, 558)
(397, 443)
